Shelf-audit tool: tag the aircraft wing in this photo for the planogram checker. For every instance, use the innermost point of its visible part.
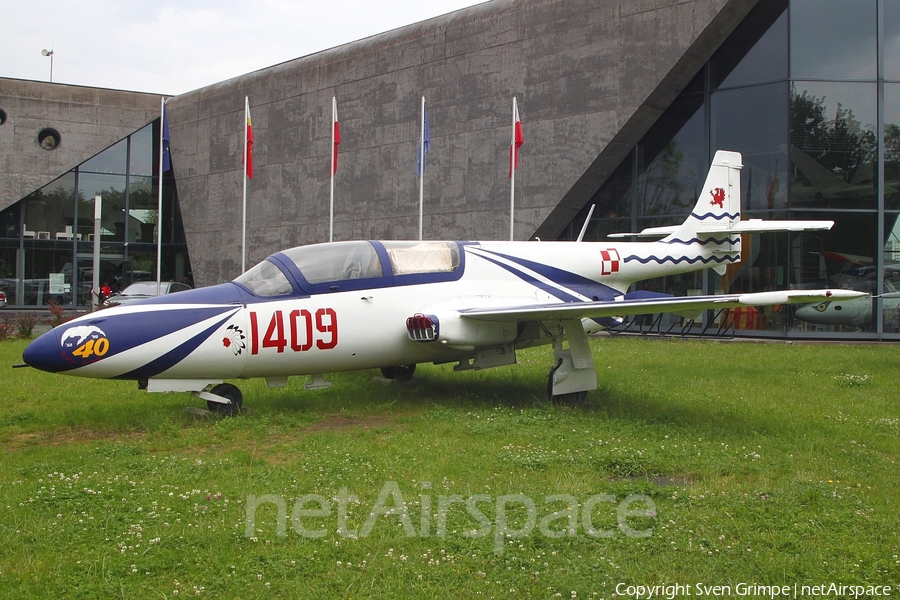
(762, 226)
(642, 306)
(749, 226)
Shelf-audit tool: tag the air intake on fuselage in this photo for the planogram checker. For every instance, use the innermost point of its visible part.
(422, 328)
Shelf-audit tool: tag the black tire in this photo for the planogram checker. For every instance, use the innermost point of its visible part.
(400, 372)
(226, 390)
(570, 399)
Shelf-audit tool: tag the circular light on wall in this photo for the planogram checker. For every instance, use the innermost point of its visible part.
(2, 116)
(49, 138)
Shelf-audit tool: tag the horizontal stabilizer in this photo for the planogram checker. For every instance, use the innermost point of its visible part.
(649, 232)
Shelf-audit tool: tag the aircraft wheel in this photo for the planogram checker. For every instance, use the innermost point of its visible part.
(400, 372)
(226, 390)
(570, 399)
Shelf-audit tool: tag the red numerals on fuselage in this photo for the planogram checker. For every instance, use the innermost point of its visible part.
(299, 329)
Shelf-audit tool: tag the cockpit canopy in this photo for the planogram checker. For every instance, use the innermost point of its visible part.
(339, 266)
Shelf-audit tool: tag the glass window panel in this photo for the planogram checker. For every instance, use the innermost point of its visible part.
(891, 21)
(142, 151)
(140, 266)
(833, 145)
(757, 51)
(47, 273)
(172, 224)
(680, 284)
(675, 155)
(763, 145)
(112, 221)
(848, 255)
(891, 303)
(764, 266)
(9, 280)
(892, 146)
(111, 160)
(9, 222)
(612, 201)
(49, 212)
(143, 210)
(833, 39)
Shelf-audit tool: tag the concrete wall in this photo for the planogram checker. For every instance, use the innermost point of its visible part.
(88, 120)
(591, 77)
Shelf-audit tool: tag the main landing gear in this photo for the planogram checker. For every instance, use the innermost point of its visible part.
(573, 373)
(400, 373)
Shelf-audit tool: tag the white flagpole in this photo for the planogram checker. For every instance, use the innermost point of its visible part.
(244, 216)
(159, 207)
(331, 201)
(512, 172)
(421, 166)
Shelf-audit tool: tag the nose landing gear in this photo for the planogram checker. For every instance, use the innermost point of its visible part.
(224, 399)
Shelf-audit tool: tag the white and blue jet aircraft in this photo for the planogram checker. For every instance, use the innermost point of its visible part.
(347, 306)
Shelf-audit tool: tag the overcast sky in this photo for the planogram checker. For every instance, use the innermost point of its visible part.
(174, 46)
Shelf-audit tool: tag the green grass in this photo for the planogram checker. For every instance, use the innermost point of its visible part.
(757, 463)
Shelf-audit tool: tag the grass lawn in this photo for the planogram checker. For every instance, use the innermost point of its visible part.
(695, 462)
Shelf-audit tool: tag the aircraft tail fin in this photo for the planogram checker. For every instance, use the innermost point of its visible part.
(719, 206)
(714, 225)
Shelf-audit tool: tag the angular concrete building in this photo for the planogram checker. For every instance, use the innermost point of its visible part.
(622, 105)
(590, 78)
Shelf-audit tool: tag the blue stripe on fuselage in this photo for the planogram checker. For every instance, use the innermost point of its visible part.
(574, 282)
(128, 330)
(174, 356)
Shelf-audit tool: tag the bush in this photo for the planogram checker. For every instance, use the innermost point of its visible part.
(7, 327)
(58, 314)
(25, 323)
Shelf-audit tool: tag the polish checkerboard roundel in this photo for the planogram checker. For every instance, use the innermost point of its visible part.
(609, 261)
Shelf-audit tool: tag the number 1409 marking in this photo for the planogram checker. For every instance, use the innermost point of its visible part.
(301, 331)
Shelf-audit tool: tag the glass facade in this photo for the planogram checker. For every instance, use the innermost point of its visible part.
(47, 238)
(809, 92)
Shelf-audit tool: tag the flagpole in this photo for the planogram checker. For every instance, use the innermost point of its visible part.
(333, 169)
(244, 215)
(512, 172)
(421, 167)
(159, 207)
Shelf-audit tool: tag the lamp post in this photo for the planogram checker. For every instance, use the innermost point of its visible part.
(49, 53)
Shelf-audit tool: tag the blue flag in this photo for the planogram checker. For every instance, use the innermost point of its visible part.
(420, 168)
(167, 159)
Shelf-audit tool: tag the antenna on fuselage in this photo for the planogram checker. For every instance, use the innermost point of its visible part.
(586, 221)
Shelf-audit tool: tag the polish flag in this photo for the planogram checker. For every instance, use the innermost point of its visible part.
(516, 140)
(336, 136)
(249, 162)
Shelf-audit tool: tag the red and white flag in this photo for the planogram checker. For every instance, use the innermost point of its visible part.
(516, 140)
(336, 136)
(248, 162)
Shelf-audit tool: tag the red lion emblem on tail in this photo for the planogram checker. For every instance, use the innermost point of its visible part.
(718, 195)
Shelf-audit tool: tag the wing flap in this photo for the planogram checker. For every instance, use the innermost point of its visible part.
(641, 306)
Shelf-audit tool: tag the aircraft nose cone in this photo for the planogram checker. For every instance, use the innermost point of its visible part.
(44, 353)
